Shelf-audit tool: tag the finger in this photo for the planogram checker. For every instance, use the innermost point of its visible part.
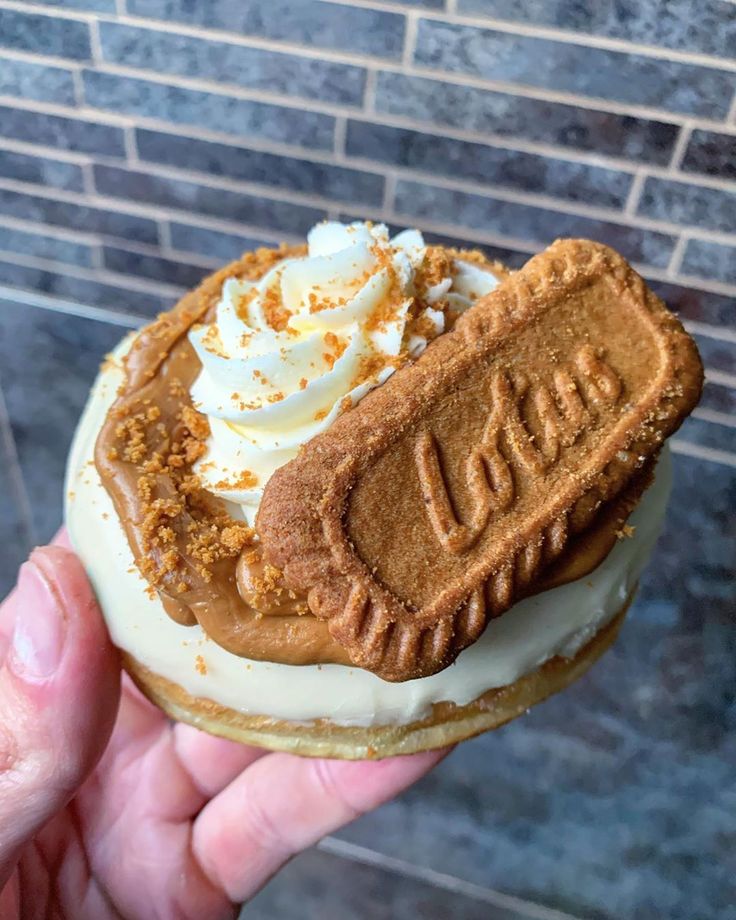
(61, 538)
(59, 687)
(283, 804)
(212, 763)
(7, 623)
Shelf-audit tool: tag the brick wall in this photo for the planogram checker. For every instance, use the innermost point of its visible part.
(143, 142)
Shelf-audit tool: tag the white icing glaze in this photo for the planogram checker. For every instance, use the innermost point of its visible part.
(559, 621)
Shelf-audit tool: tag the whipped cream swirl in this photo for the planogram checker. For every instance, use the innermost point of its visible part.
(285, 355)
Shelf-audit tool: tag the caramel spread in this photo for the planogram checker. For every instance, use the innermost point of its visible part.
(205, 565)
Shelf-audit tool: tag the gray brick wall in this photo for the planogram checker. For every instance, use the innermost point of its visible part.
(142, 142)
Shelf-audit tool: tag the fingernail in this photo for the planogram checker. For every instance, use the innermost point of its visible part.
(40, 626)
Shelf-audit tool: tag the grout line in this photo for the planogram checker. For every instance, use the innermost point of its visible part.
(78, 84)
(410, 39)
(488, 23)
(88, 178)
(109, 117)
(43, 150)
(260, 42)
(586, 40)
(688, 449)
(699, 284)
(131, 283)
(369, 96)
(120, 7)
(84, 113)
(540, 148)
(95, 42)
(634, 196)
(164, 235)
(341, 130)
(712, 332)
(731, 117)
(714, 416)
(704, 284)
(43, 10)
(335, 846)
(131, 146)
(678, 152)
(58, 305)
(154, 212)
(98, 257)
(389, 192)
(452, 7)
(589, 158)
(149, 249)
(678, 253)
(9, 448)
(33, 57)
(60, 232)
(353, 59)
(720, 378)
(545, 94)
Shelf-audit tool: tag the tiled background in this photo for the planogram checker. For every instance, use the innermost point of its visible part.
(143, 142)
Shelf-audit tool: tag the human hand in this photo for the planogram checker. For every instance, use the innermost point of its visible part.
(108, 809)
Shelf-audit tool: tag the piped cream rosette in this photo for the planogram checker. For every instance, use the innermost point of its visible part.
(286, 354)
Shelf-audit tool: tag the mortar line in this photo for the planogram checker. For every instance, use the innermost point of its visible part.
(698, 284)
(389, 192)
(62, 233)
(341, 128)
(720, 333)
(678, 152)
(509, 195)
(154, 249)
(71, 307)
(706, 284)
(410, 38)
(482, 22)
(715, 417)
(88, 178)
(634, 196)
(586, 40)
(700, 452)
(369, 96)
(677, 255)
(164, 236)
(131, 283)
(78, 86)
(731, 117)
(131, 145)
(720, 378)
(95, 42)
(511, 143)
(507, 87)
(14, 470)
(43, 10)
(520, 90)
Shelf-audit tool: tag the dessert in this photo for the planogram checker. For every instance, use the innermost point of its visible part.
(376, 496)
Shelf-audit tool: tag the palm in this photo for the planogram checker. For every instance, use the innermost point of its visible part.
(172, 822)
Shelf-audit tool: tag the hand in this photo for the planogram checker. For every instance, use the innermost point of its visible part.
(108, 809)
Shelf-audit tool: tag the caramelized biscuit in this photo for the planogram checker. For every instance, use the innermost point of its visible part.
(439, 500)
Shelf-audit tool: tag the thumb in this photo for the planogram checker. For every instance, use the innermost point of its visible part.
(59, 689)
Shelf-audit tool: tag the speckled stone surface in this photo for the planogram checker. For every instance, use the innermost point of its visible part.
(612, 800)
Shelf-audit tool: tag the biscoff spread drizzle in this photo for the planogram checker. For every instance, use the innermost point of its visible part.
(193, 548)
